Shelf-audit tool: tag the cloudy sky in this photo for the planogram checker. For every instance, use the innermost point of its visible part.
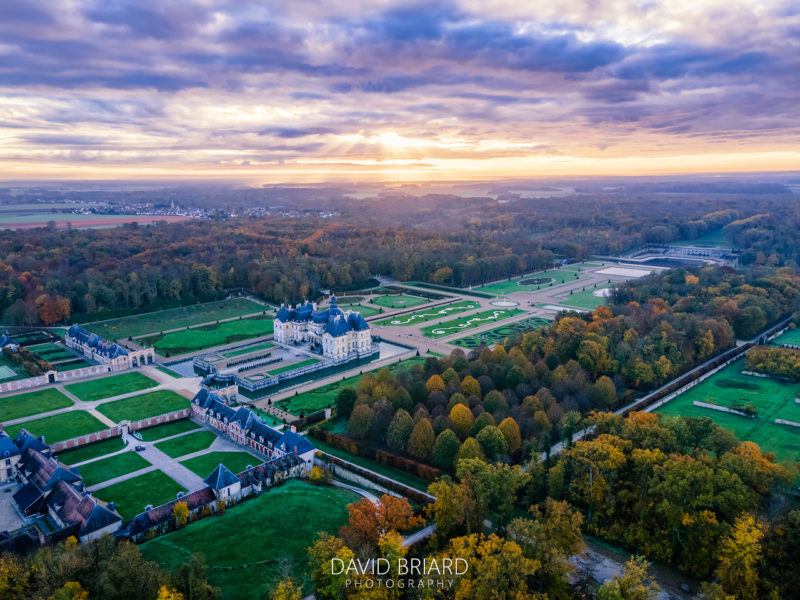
(380, 90)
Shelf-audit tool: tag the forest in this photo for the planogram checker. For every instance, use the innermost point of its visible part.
(49, 276)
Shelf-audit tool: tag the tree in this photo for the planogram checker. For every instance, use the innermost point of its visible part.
(635, 583)
(190, 578)
(462, 418)
(569, 425)
(495, 488)
(287, 590)
(493, 442)
(327, 585)
(470, 449)
(181, 513)
(420, 444)
(455, 508)
(345, 400)
(126, 575)
(497, 568)
(445, 449)
(14, 578)
(360, 421)
(369, 521)
(71, 590)
(510, 430)
(399, 431)
(435, 384)
(471, 387)
(739, 556)
(167, 593)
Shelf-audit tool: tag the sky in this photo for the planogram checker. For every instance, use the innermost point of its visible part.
(376, 90)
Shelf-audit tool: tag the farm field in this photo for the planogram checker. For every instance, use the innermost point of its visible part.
(173, 318)
(423, 316)
(772, 399)
(202, 466)
(108, 387)
(791, 336)
(91, 451)
(531, 282)
(186, 444)
(104, 469)
(208, 336)
(498, 334)
(32, 403)
(399, 301)
(588, 299)
(132, 495)
(60, 427)
(322, 397)
(224, 546)
(159, 432)
(469, 322)
(143, 406)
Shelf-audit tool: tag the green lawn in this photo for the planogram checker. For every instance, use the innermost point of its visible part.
(240, 351)
(208, 336)
(132, 495)
(528, 283)
(237, 462)
(297, 365)
(104, 469)
(32, 403)
(91, 451)
(60, 427)
(324, 396)
(142, 406)
(792, 336)
(469, 322)
(173, 318)
(423, 316)
(498, 334)
(169, 372)
(152, 434)
(365, 309)
(399, 301)
(772, 399)
(186, 444)
(714, 239)
(107, 387)
(287, 520)
(583, 299)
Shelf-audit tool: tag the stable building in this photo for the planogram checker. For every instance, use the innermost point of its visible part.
(95, 348)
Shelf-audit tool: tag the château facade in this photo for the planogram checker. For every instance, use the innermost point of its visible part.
(95, 348)
(340, 335)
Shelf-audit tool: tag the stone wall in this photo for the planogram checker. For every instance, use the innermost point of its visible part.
(177, 415)
(84, 440)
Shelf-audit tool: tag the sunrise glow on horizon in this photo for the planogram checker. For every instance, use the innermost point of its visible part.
(392, 91)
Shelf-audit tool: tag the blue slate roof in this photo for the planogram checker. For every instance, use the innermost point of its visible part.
(221, 477)
(25, 440)
(94, 341)
(7, 340)
(336, 322)
(7, 447)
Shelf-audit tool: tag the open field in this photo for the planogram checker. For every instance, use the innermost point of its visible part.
(448, 289)
(81, 221)
(469, 322)
(399, 301)
(589, 299)
(792, 336)
(104, 469)
(713, 239)
(275, 515)
(132, 495)
(32, 403)
(365, 309)
(772, 399)
(423, 316)
(107, 387)
(322, 397)
(60, 427)
(532, 282)
(91, 451)
(143, 406)
(498, 334)
(205, 464)
(208, 336)
(186, 444)
(174, 318)
(159, 432)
